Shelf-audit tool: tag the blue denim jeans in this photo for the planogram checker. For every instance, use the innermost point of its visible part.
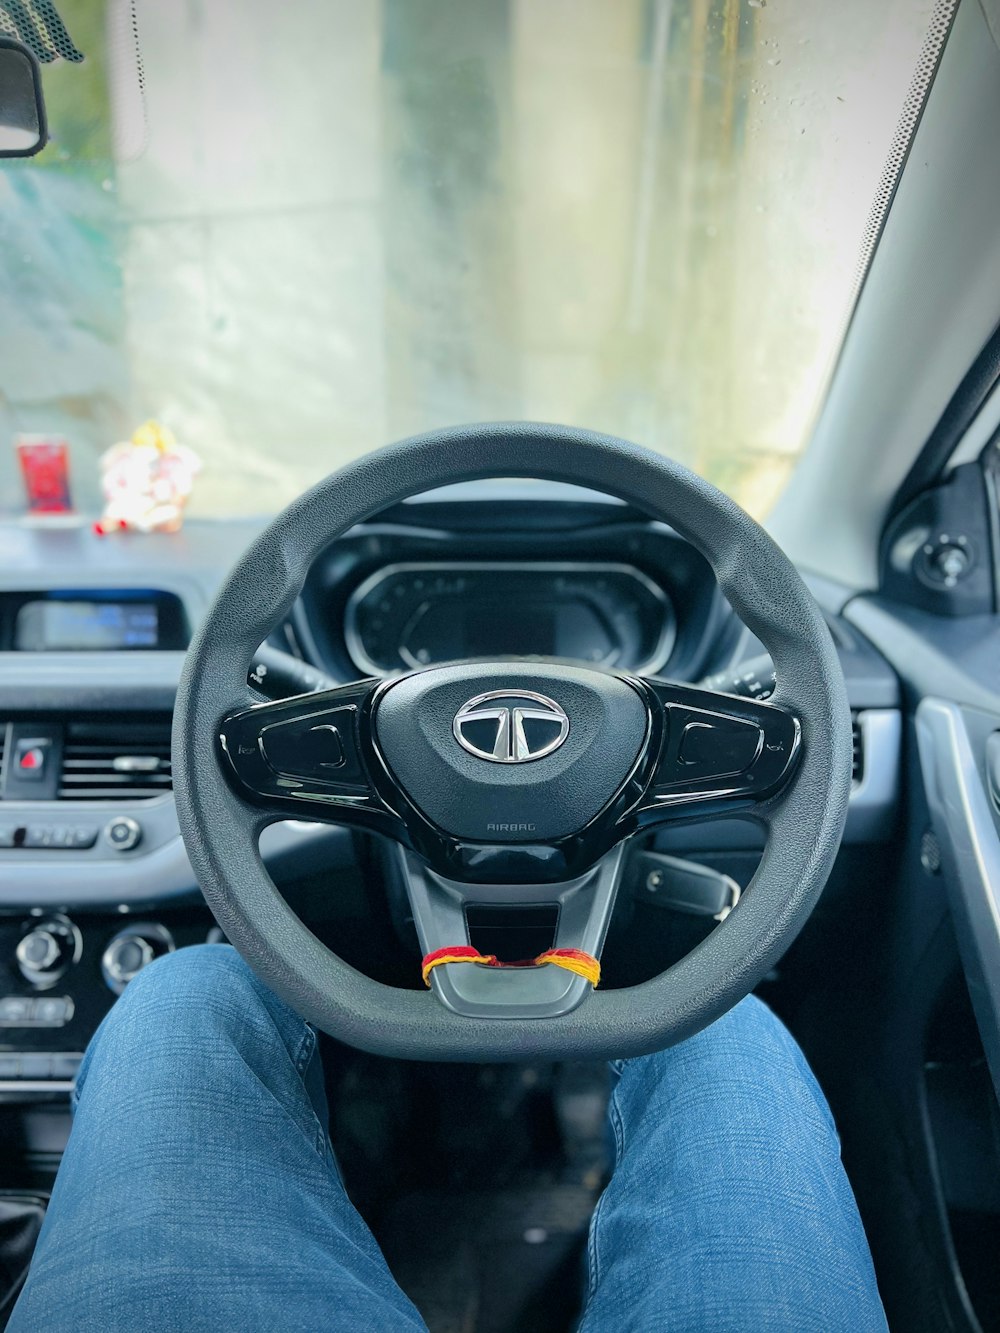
(199, 1190)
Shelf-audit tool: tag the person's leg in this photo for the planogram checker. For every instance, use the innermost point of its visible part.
(729, 1208)
(198, 1190)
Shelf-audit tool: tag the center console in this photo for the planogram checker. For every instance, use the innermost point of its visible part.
(60, 974)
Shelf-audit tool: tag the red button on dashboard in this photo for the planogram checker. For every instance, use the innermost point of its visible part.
(31, 758)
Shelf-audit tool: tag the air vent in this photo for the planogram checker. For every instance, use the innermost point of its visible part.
(857, 749)
(115, 761)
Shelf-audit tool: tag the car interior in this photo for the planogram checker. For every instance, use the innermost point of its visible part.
(520, 689)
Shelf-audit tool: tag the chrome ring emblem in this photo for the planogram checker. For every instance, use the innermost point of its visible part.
(510, 726)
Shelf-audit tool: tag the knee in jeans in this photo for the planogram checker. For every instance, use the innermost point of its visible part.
(751, 1024)
(199, 988)
(748, 1032)
(189, 1014)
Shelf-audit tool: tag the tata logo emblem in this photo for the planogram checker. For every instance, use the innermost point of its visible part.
(510, 726)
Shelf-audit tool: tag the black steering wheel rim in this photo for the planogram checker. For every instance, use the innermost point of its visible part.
(764, 589)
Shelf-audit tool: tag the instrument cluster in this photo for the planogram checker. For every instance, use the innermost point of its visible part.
(494, 573)
(409, 615)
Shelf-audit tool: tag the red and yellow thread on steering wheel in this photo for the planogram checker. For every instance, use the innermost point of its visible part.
(572, 960)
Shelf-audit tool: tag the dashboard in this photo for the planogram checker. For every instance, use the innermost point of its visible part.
(92, 632)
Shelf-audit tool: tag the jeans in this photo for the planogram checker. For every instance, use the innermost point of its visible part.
(199, 1190)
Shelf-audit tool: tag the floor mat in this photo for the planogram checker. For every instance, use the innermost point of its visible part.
(509, 1261)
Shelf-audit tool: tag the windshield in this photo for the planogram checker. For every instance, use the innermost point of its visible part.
(293, 232)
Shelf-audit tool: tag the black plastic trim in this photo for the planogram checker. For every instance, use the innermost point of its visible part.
(655, 791)
(964, 405)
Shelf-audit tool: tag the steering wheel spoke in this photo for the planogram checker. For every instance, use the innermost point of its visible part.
(308, 757)
(718, 753)
(440, 913)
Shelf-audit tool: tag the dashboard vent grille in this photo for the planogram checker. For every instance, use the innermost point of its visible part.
(115, 761)
(857, 750)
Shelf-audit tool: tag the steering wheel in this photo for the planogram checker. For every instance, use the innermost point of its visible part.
(512, 782)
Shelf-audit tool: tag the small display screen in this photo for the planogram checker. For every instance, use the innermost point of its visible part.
(489, 629)
(75, 626)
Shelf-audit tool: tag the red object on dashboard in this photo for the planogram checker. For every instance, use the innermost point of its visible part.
(45, 466)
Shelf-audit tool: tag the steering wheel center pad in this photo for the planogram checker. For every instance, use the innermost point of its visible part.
(536, 799)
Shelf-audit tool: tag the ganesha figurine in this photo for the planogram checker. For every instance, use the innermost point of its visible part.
(146, 482)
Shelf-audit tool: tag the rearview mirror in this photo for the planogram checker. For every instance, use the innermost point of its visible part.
(23, 131)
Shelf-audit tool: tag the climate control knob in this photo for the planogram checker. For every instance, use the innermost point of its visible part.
(47, 950)
(131, 950)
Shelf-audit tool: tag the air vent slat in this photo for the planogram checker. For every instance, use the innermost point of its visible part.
(120, 764)
(115, 761)
(110, 793)
(83, 755)
(857, 749)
